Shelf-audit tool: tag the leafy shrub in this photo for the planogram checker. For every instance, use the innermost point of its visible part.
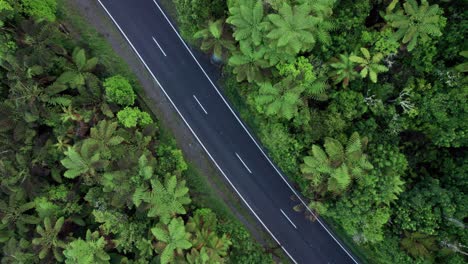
(119, 91)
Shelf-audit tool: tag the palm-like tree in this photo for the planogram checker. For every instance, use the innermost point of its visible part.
(80, 71)
(84, 160)
(202, 225)
(18, 252)
(343, 70)
(213, 40)
(90, 250)
(321, 8)
(293, 28)
(334, 169)
(418, 244)
(247, 18)
(103, 134)
(49, 240)
(281, 99)
(168, 200)
(15, 213)
(248, 63)
(369, 64)
(171, 239)
(198, 256)
(414, 22)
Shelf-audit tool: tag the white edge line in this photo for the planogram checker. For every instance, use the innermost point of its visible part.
(159, 46)
(191, 130)
(288, 218)
(243, 163)
(253, 139)
(203, 108)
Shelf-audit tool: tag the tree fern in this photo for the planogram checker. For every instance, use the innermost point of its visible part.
(171, 239)
(168, 200)
(212, 38)
(280, 99)
(49, 239)
(369, 64)
(415, 22)
(293, 28)
(344, 71)
(248, 19)
(248, 63)
(334, 168)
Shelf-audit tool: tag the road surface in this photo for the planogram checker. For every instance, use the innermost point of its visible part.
(224, 137)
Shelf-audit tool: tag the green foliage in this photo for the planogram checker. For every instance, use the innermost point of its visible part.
(344, 71)
(80, 70)
(415, 22)
(40, 9)
(132, 116)
(89, 251)
(84, 160)
(193, 14)
(333, 169)
(280, 100)
(369, 64)
(103, 135)
(119, 91)
(293, 28)
(425, 208)
(203, 226)
(418, 245)
(247, 16)
(171, 239)
(168, 200)
(49, 240)
(213, 40)
(248, 63)
(15, 215)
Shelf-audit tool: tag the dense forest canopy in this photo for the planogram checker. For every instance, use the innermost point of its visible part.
(86, 175)
(363, 104)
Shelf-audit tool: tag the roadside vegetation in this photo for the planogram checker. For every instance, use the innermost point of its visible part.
(363, 104)
(86, 175)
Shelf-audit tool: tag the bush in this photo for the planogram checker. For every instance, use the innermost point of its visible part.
(133, 116)
(43, 9)
(119, 91)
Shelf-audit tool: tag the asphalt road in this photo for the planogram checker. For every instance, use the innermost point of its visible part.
(221, 133)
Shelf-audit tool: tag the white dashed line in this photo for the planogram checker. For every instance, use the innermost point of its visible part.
(201, 106)
(159, 46)
(288, 219)
(243, 163)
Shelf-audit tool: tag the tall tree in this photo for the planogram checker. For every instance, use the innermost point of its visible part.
(89, 251)
(16, 213)
(171, 239)
(369, 64)
(248, 63)
(293, 28)
(334, 168)
(202, 225)
(248, 19)
(49, 239)
(103, 134)
(80, 69)
(282, 99)
(416, 22)
(168, 200)
(213, 39)
(344, 71)
(84, 160)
